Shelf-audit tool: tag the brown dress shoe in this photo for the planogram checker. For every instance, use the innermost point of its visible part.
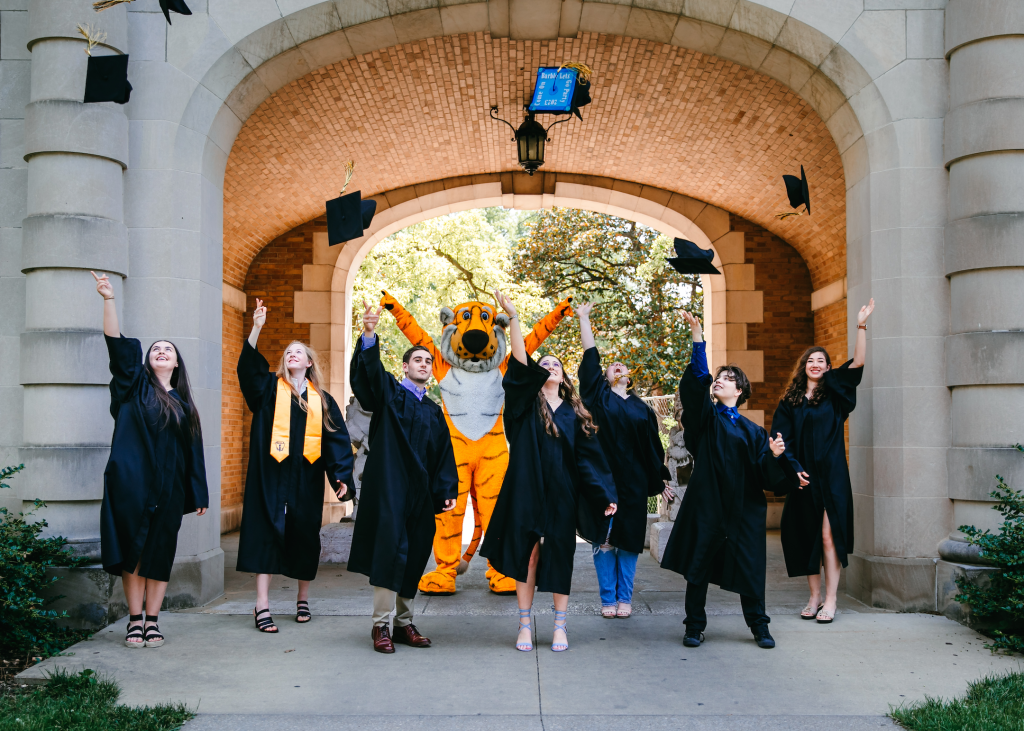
(382, 639)
(409, 635)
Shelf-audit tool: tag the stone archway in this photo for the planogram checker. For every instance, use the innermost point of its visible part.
(880, 97)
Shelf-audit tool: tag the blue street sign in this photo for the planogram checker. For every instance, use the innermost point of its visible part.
(553, 92)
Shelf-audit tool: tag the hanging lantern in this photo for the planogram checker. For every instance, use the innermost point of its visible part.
(530, 139)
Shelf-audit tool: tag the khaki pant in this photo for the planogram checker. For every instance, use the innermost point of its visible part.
(385, 602)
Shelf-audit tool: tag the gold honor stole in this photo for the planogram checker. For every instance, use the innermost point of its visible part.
(283, 422)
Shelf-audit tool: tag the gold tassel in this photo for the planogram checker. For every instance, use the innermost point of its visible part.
(104, 4)
(350, 169)
(92, 37)
(781, 216)
(583, 72)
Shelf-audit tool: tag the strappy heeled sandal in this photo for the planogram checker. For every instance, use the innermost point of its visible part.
(560, 646)
(810, 612)
(608, 611)
(153, 636)
(302, 613)
(264, 624)
(135, 631)
(824, 616)
(624, 611)
(525, 646)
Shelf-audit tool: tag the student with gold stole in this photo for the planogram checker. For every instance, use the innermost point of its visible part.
(297, 438)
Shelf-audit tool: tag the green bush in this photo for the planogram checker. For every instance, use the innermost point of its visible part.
(26, 627)
(1000, 604)
(83, 702)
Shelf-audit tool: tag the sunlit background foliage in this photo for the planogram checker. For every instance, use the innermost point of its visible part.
(539, 258)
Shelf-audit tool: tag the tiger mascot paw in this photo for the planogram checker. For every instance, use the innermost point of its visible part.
(437, 583)
(501, 585)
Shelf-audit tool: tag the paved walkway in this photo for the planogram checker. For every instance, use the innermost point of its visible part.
(628, 675)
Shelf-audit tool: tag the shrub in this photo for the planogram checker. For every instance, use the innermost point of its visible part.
(991, 704)
(26, 627)
(1000, 603)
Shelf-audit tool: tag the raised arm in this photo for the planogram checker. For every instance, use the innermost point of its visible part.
(586, 332)
(861, 348)
(547, 325)
(259, 319)
(515, 333)
(372, 385)
(415, 334)
(106, 291)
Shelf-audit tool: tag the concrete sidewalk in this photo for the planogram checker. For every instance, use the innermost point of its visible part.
(621, 674)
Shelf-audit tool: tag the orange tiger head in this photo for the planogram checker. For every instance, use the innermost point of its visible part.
(473, 338)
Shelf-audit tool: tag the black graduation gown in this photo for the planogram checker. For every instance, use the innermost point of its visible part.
(814, 437)
(719, 534)
(628, 432)
(546, 478)
(284, 501)
(155, 473)
(410, 472)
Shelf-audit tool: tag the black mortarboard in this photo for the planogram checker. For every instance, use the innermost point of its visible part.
(580, 96)
(796, 189)
(175, 6)
(106, 79)
(691, 259)
(347, 217)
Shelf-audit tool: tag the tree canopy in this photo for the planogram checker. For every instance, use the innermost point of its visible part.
(539, 259)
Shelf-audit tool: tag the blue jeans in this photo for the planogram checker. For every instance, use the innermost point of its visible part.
(616, 570)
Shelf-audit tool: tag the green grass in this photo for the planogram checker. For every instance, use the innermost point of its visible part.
(994, 703)
(84, 702)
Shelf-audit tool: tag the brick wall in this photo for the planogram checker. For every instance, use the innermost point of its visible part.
(830, 330)
(274, 277)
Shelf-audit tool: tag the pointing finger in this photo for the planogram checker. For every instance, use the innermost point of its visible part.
(379, 310)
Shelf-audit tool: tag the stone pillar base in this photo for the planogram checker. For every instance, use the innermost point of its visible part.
(947, 573)
(900, 584)
(336, 541)
(91, 597)
(94, 599)
(195, 580)
(230, 518)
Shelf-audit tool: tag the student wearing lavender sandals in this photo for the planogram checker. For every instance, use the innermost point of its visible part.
(557, 485)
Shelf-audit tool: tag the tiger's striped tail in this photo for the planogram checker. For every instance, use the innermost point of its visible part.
(474, 543)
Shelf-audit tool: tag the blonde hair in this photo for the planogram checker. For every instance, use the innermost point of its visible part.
(314, 374)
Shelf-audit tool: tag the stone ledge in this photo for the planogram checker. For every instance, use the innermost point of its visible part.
(980, 127)
(72, 127)
(984, 242)
(74, 242)
(972, 470)
(984, 358)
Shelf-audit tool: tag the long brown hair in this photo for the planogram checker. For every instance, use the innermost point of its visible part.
(314, 374)
(566, 392)
(794, 395)
(170, 407)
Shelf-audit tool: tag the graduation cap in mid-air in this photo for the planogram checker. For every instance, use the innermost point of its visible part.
(348, 216)
(799, 195)
(691, 259)
(106, 77)
(168, 6)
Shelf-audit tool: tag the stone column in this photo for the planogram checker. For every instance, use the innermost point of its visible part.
(76, 155)
(984, 152)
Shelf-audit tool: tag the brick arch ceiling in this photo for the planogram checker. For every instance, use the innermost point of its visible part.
(663, 116)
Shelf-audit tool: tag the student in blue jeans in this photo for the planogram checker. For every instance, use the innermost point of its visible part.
(629, 436)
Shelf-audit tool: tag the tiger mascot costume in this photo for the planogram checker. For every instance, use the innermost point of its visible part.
(469, 366)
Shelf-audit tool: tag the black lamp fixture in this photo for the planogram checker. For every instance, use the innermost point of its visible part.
(529, 138)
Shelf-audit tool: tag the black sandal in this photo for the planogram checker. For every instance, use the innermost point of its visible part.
(135, 631)
(153, 632)
(302, 614)
(264, 625)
